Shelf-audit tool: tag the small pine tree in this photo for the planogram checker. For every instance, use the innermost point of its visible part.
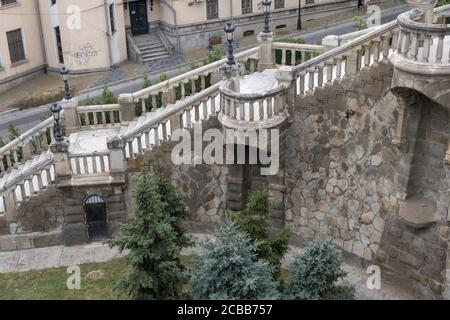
(107, 97)
(361, 24)
(254, 221)
(314, 274)
(154, 247)
(229, 269)
(147, 83)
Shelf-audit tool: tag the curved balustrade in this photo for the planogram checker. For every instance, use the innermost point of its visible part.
(349, 58)
(30, 143)
(189, 83)
(253, 110)
(99, 116)
(423, 47)
(292, 54)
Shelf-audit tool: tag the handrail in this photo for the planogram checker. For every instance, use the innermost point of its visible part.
(99, 108)
(169, 111)
(298, 46)
(144, 93)
(253, 96)
(39, 165)
(23, 137)
(344, 48)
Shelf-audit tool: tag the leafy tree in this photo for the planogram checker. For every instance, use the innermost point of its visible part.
(254, 221)
(229, 269)
(153, 241)
(107, 97)
(313, 275)
(214, 56)
(442, 3)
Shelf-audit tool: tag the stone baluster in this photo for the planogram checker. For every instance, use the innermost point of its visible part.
(366, 47)
(426, 48)
(385, 45)
(414, 46)
(319, 76)
(293, 60)
(405, 43)
(338, 63)
(440, 49)
(376, 50)
(395, 40)
(329, 66)
(302, 83)
(311, 80)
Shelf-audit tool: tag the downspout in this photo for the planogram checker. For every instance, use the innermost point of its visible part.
(177, 34)
(108, 33)
(41, 35)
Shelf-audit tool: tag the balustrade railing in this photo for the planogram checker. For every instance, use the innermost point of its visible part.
(292, 54)
(150, 131)
(253, 107)
(89, 164)
(348, 58)
(30, 143)
(99, 116)
(188, 84)
(424, 43)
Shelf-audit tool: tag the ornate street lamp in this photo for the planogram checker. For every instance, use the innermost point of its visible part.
(56, 111)
(266, 6)
(65, 77)
(229, 30)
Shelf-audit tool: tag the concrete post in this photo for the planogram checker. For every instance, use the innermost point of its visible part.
(266, 58)
(232, 74)
(71, 119)
(60, 151)
(117, 160)
(352, 63)
(126, 103)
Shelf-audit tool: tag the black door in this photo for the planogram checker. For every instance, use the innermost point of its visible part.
(138, 17)
(96, 218)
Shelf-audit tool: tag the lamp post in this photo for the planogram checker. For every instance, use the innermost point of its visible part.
(65, 77)
(56, 111)
(266, 7)
(229, 30)
(299, 19)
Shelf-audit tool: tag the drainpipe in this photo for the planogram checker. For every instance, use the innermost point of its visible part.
(41, 35)
(177, 34)
(108, 27)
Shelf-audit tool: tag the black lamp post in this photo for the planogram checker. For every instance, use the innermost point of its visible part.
(266, 6)
(229, 30)
(299, 19)
(56, 111)
(65, 77)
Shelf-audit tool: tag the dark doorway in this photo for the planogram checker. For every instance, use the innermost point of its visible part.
(95, 208)
(138, 17)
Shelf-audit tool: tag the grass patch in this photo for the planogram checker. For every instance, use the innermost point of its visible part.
(50, 284)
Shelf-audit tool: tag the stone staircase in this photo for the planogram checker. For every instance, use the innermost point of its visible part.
(151, 46)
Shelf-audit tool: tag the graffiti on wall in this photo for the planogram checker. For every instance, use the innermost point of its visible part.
(84, 54)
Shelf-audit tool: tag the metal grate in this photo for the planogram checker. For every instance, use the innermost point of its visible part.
(94, 200)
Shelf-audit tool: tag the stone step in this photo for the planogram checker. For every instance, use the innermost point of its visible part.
(150, 48)
(155, 58)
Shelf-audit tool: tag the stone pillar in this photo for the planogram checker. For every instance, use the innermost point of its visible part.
(285, 76)
(352, 63)
(117, 160)
(277, 187)
(126, 103)
(400, 140)
(266, 58)
(10, 206)
(71, 120)
(169, 97)
(27, 149)
(231, 74)
(63, 174)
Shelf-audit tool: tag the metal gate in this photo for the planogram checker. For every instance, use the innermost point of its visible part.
(95, 208)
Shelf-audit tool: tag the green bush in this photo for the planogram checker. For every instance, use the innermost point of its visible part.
(107, 97)
(229, 269)
(254, 221)
(314, 274)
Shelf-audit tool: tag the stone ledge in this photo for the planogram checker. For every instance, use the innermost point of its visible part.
(418, 212)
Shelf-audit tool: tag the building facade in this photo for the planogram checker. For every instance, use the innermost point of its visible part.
(39, 35)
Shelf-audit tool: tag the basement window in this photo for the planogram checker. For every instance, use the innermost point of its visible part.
(249, 33)
(281, 26)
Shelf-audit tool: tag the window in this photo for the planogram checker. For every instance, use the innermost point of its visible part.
(59, 45)
(309, 1)
(112, 18)
(53, 2)
(6, 2)
(15, 44)
(279, 4)
(246, 6)
(249, 33)
(212, 9)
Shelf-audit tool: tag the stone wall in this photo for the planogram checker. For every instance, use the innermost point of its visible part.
(202, 186)
(340, 172)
